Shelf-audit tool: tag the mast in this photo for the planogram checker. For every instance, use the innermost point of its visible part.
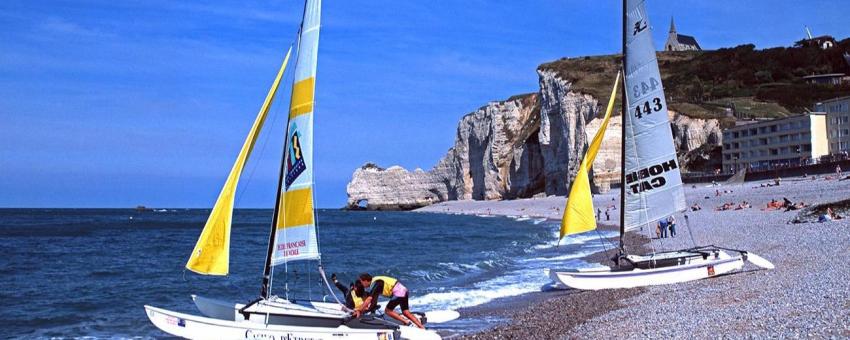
(267, 268)
(623, 109)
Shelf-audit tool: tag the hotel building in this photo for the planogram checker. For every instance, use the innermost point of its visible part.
(837, 123)
(766, 144)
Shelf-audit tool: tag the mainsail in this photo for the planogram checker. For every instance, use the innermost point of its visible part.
(578, 214)
(295, 228)
(653, 182)
(211, 255)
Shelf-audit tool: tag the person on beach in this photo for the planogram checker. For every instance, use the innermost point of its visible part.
(391, 288)
(662, 228)
(598, 213)
(696, 207)
(773, 205)
(671, 222)
(607, 215)
(354, 293)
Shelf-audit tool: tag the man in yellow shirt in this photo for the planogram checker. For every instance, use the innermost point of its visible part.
(391, 288)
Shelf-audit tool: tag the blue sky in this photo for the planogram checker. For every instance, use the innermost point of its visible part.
(119, 103)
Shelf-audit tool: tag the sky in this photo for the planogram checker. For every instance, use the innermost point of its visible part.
(121, 103)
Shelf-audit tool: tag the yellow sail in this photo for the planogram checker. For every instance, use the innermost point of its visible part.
(579, 216)
(211, 255)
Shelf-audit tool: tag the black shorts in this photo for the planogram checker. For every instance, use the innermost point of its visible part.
(399, 301)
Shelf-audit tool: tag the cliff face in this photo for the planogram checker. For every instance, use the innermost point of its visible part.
(524, 146)
(563, 116)
(496, 155)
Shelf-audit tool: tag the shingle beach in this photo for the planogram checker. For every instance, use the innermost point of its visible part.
(807, 295)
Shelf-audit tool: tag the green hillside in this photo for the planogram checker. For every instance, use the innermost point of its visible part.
(755, 83)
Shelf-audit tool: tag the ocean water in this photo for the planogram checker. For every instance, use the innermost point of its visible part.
(88, 272)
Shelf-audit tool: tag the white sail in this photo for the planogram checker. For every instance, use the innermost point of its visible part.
(653, 180)
(295, 235)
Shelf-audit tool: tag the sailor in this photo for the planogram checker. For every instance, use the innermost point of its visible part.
(391, 288)
(354, 293)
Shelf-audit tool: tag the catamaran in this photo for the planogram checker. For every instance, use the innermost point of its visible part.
(293, 236)
(651, 182)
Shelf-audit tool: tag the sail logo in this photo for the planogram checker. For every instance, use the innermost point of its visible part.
(650, 177)
(295, 162)
(640, 26)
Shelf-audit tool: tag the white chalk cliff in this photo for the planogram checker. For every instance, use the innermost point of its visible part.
(524, 146)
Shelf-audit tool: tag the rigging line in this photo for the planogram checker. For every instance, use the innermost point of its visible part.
(602, 241)
(688, 224)
(266, 138)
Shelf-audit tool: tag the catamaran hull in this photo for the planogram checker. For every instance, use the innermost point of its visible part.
(596, 279)
(198, 327)
(314, 314)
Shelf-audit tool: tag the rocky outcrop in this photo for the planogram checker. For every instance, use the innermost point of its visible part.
(496, 155)
(395, 188)
(691, 133)
(526, 145)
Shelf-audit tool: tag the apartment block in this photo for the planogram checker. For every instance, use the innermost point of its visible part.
(766, 144)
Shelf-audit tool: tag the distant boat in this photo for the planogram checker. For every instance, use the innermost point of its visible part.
(652, 187)
(292, 236)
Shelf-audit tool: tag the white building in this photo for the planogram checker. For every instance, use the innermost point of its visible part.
(837, 123)
(680, 42)
(766, 144)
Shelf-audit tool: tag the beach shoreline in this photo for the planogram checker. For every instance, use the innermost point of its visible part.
(754, 302)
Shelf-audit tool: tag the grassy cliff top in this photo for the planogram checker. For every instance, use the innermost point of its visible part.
(755, 83)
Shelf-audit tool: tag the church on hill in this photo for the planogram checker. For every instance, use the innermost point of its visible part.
(680, 42)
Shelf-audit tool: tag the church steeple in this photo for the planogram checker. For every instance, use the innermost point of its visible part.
(672, 25)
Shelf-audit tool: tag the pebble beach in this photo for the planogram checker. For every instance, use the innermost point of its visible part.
(807, 295)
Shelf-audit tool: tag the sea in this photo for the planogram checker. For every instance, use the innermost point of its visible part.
(89, 272)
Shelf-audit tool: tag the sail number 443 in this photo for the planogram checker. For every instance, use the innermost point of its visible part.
(649, 106)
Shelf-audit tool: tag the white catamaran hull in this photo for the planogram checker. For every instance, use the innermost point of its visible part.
(606, 278)
(198, 327)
